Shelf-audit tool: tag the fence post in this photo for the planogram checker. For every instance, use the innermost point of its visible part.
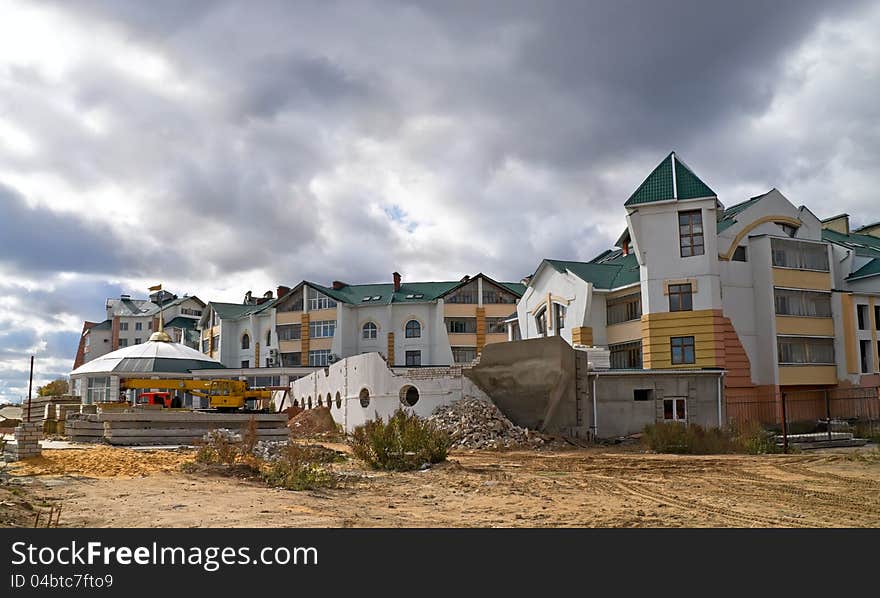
(828, 412)
(784, 426)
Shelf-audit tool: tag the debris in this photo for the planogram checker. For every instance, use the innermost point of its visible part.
(312, 422)
(474, 423)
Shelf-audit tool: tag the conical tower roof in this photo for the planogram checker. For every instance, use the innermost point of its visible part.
(154, 356)
(672, 179)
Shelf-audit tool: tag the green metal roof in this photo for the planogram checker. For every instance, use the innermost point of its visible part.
(182, 323)
(238, 310)
(728, 218)
(862, 245)
(105, 325)
(614, 271)
(872, 268)
(672, 179)
(410, 292)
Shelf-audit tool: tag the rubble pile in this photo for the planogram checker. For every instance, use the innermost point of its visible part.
(474, 423)
(312, 422)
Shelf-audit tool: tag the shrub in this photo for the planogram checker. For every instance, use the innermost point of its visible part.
(298, 469)
(680, 438)
(404, 442)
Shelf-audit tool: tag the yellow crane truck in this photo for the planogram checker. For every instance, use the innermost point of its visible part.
(222, 395)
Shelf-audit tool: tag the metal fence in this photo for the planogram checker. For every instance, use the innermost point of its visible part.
(806, 411)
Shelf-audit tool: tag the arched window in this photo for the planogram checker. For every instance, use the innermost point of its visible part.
(320, 401)
(329, 401)
(245, 341)
(310, 402)
(370, 330)
(413, 329)
(338, 400)
(268, 337)
(364, 396)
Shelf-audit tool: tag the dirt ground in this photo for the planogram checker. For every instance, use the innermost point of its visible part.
(616, 487)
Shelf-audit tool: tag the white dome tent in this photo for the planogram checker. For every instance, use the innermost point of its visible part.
(98, 380)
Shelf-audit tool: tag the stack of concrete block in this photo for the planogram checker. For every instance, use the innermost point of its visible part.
(39, 404)
(84, 427)
(177, 427)
(27, 442)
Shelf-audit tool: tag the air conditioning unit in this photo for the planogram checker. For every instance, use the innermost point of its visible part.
(333, 358)
(274, 357)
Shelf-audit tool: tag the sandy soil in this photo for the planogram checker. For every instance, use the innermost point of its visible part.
(590, 487)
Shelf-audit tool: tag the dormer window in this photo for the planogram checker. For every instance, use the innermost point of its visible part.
(788, 229)
(690, 233)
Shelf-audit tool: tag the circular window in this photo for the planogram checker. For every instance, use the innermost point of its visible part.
(338, 400)
(409, 395)
(365, 398)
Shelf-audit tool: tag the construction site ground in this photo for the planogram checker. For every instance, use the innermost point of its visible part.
(595, 487)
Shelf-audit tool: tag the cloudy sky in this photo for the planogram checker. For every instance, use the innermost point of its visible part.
(220, 147)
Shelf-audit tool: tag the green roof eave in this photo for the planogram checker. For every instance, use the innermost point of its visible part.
(872, 268)
(671, 180)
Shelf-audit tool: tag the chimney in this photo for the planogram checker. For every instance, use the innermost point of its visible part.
(466, 278)
(267, 295)
(625, 248)
(248, 298)
(396, 276)
(282, 291)
(338, 284)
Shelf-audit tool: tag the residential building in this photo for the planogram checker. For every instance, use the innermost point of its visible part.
(762, 289)
(409, 323)
(131, 322)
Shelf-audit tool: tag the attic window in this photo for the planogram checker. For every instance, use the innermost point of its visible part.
(419, 296)
(367, 298)
(739, 254)
(410, 296)
(376, 297)
(789, 230)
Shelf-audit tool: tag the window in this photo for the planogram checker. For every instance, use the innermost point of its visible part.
(413, 358)
(461, 325)
(801, 350)
(150, 325)
(541, 321)
(497, 296)
(675, 409)
(790, 302)
(643, 394)
(558, 317)
(866, 359)
(799, 254)
(409, 396)
(205, 345)
(681, 297)
(862, 314)
(682, 349)
(877, 317)
(318, 300)
(245, 341)
(739, 254)
(338, 400)
(413, 329)
(245, 363)
(123, 342)
(138, 326)
(138, 340)
(690, 233)
(623, 309)
(123, 325)
(496, 326)
(289, 332)
(319, 358)
(97, 390)
(464, 354)
(370, 330)
(364, 397)
(190, 312)
(466, 294)
(322, 328)
(626, 356)
(289, 360)
(268, 337)
(216, 342)
(788, 229)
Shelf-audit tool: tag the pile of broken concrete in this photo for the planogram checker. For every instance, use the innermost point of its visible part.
(479, 424)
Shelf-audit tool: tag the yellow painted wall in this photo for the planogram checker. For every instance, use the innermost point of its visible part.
(658, 328)
(624, 332)
(582, 335)
(288, 317)
(460, 310)
(801, 279)
(804, 326)
(290, 346)
(499, 310)
(322, 314)
(464, 340)
(481, 328)
(849, 334)
(635, 290)
(496, 338)
(390, 355)
(317, 344)
(304, 335)
(807, 374)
